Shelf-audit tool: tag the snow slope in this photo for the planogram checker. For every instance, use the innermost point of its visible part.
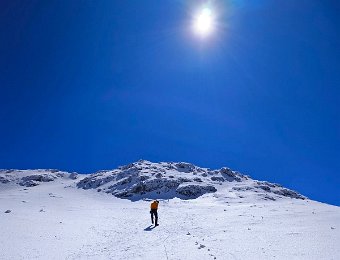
(58, 219)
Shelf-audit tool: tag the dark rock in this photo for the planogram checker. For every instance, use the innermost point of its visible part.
(289, 193)
(194, 191)
(185, 167)
(183, 179)
(39, 178)
(28, 183)
(73, 175)
(215, 178)
(263, 187)
(143, 178)
(159, 175)
(4, 180)
(244, 188)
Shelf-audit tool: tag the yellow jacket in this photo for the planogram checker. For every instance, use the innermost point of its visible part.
(154, 205)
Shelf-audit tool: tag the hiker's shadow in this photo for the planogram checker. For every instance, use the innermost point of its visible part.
(149, 228)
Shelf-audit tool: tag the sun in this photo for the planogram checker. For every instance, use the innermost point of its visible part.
(204, 22)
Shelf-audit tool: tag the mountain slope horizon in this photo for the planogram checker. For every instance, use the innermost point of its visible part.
(203, 214)
(163, 180)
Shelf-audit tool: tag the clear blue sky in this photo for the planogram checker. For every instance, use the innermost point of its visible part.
(90, 85)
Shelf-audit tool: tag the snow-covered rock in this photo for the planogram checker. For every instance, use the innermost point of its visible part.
(5, 179)
(164, 180)
(73, 176)
(144, 179)
(31, 178)
(34, 180)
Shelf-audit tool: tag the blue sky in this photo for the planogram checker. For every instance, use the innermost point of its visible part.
(90, 85)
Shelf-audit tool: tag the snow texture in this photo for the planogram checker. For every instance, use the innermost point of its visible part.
(203, 214)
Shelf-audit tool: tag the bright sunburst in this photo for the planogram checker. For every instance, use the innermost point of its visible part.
(204, 22)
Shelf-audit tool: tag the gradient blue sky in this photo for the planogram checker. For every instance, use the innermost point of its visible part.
(90, 85)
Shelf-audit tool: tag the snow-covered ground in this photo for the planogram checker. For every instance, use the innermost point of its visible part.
(55, 218)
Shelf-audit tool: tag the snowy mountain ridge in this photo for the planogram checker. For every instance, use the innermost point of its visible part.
(31, 178)
(163, 180)
(145, 179)
(203, 214)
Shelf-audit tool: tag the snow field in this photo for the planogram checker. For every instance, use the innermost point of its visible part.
(58, 221)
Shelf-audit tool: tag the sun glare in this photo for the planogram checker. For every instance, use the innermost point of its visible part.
(203, 23)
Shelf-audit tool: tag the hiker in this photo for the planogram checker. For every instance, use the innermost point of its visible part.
(153, 211)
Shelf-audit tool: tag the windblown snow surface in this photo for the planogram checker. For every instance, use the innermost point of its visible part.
(203, 214)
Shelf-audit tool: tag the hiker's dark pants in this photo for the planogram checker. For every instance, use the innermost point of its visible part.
(153, 213)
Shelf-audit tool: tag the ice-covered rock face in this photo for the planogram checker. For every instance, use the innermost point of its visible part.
(167, 180)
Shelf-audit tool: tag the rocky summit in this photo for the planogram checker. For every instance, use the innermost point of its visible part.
(167, 180)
